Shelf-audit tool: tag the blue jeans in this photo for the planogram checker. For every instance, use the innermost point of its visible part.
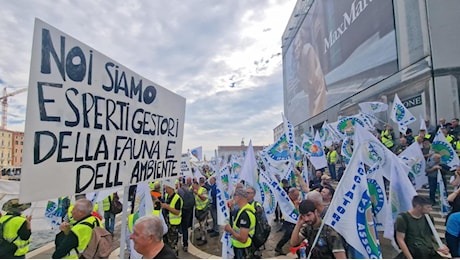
(109, 218)
(215, 227)
(332, 171)
(433, 184)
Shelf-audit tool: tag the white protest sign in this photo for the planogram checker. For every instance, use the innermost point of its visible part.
(93, 124)
(186, 169)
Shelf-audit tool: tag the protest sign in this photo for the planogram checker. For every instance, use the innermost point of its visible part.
(93, 124)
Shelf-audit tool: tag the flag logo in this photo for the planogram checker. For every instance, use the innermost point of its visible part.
(400, 112)
(268, 198)
(298, 153)
(374, 152)
(346, 125)
(447, 154)
(280, 150)
(376, 194)
(314, 148)
(347, 150)
(324, 133)
(367, 232)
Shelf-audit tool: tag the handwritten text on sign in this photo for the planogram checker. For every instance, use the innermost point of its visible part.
(94, 124)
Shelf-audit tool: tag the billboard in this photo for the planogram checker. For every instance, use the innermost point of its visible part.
(340, 48)
(93, 124)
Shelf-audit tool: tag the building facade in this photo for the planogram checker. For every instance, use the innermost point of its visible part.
(17, 144)
(226, 152)
(6, 148)
(337, 54)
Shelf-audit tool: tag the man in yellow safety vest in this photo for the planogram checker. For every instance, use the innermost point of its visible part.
(172, 210)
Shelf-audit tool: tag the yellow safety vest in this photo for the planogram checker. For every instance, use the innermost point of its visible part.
(83, 233)
(201, 204)
(175, 219)
(10, 232)
(457, 147)
(449, 138)
(106, 203)
(132, 218)
(252, 219)
(332, 156)
(388, 142)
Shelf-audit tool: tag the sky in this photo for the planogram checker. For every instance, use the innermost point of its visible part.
(223, 56)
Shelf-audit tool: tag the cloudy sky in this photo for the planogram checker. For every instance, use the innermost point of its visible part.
(223, 56)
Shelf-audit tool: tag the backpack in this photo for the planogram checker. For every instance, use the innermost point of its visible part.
(100, 244)
(406, 220)
(261, 230)
(115, 205)
(7, 248)
(188, 198)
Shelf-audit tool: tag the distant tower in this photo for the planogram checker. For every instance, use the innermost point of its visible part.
(242, 141)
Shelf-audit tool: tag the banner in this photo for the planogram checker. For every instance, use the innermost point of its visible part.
(93, 124)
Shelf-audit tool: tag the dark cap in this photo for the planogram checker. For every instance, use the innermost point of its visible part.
(306, 206)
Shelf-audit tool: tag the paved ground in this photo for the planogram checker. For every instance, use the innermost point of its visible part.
(214, 246)
(211, 250)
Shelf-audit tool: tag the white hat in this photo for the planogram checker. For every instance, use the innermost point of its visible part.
(169, 182)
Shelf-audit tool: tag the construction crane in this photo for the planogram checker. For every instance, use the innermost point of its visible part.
(4, 100)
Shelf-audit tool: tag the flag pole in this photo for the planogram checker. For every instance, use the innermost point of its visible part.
(436, 236)
(124, 222)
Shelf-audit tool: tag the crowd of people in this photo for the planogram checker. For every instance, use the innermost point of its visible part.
(177, 201)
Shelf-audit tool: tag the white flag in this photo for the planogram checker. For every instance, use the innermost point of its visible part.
(197, 152)
(314, 150)
(346, 150)
(350, 214)
(290, 213)
(376, 187)
(445, 207)
(374, 151)
(227, 247)
(373, 107)
(327, 137)
(268, 198)
(413, 157)
(448, 154)
(400, 114)
(224, 189)
(249, 170)
(290, 136)
(400, 196)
